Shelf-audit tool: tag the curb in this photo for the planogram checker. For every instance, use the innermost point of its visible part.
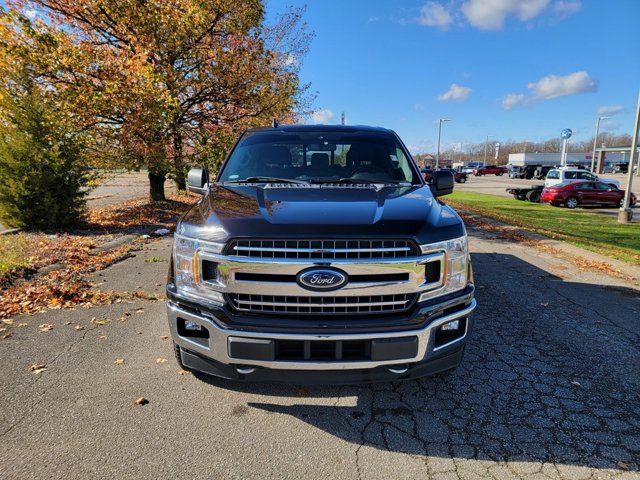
(631, 272)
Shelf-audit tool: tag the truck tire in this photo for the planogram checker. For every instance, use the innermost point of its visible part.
(462, 179)
(571, 202)
(176, 351)
(533, 196)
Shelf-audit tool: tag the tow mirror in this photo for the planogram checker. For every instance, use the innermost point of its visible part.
(441, 183)
(197, 180)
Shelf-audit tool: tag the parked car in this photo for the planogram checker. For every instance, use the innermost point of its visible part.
(574, 194)
(469, 167)
(297, 266)
(560, 175)
(490, 170)
(458, 176)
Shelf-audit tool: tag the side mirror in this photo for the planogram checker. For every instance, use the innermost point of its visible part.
(441, 183)
(197, 180)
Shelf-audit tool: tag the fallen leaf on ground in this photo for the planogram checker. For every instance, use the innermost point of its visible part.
(79, 327)
(164, 337)
(544, 304)
(7, 335)
(68, 323)
(140, 310)
(8, 321)
(95, 321)
(161, 360)
(45, 327)
(37, 368)
(623, 465)
(102, 337)
(139, 333)
(119, 361)
(184, 372)
(141, 401)
(576, 384)
(23, 324)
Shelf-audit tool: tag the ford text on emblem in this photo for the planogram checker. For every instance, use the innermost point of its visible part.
(322, 279)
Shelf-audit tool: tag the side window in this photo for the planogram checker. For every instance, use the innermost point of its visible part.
(604, 186)
(585, 186)
(553, 174)
(585, 176)
(571, 175)
(400, 159)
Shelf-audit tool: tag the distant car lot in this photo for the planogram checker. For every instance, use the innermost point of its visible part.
(493, 185)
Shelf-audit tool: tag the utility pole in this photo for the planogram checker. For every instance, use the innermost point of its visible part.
(343, 119)
(439, 134)
(595, 142)
(486, 146)
(626, 214)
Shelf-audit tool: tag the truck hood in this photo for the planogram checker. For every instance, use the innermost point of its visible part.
(320, 211)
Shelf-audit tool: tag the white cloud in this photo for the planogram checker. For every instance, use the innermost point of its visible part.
(322, 116)
(565, 8)
(552, 86)
(610, 110)
(513, 100)
(31, 13)
(456, 93)
(433, 14)
(491, 14)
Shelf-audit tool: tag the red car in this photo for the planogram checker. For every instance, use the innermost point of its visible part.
(490, 170)
(459, 177)
(584, 193)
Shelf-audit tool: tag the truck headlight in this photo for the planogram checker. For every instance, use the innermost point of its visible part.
(187, 268)
(456, 268)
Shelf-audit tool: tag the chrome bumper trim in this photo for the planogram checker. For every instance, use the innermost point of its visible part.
(219, 338)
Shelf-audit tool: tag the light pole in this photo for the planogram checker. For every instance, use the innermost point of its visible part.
(439, 134)
(486, 145)
(595, 141)
(626, 214)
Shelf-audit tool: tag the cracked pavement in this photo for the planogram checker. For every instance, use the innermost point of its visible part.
(548, 388)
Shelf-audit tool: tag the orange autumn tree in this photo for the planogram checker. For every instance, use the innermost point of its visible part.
(163, 83)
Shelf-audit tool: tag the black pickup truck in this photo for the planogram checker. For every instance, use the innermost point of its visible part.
(320, 255)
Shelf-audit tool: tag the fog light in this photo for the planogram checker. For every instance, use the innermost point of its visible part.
(192, 326)
(449, 326)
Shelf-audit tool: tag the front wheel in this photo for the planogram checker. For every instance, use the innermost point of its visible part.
(571, 202)
(533, 196)
(176, 351)
(462, 179)
(499, 174)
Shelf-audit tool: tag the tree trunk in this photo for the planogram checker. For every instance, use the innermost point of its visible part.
(178, 165)
(156, 187)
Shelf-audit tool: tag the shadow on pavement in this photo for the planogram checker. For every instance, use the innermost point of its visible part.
(551, 374)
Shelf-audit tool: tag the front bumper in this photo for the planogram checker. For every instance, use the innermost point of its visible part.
(217, 353)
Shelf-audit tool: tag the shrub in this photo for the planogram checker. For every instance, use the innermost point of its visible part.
(42, 180)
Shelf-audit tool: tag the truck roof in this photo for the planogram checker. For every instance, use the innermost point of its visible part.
(322, 128)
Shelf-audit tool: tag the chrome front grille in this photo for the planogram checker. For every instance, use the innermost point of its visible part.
(322, 249)
(321, 305)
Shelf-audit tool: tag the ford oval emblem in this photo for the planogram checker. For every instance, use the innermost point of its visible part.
(322, 279)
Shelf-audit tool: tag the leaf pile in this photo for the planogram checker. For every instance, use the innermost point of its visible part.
(139, 214)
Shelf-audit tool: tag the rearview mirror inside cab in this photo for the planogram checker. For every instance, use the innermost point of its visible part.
(441, 183)
(197, 180)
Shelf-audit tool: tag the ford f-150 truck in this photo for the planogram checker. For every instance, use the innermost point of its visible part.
(319, 255)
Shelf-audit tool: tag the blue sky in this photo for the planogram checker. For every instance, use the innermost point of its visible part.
(520, 69)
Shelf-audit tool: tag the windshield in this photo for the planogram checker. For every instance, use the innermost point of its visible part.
(319, 157)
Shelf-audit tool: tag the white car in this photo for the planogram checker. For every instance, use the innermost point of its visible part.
(557, 176)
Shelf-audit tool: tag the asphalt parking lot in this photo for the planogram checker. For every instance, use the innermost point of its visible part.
(494, 185)
(549, 388)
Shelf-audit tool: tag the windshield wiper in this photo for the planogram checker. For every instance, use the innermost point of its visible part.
(268, 180)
